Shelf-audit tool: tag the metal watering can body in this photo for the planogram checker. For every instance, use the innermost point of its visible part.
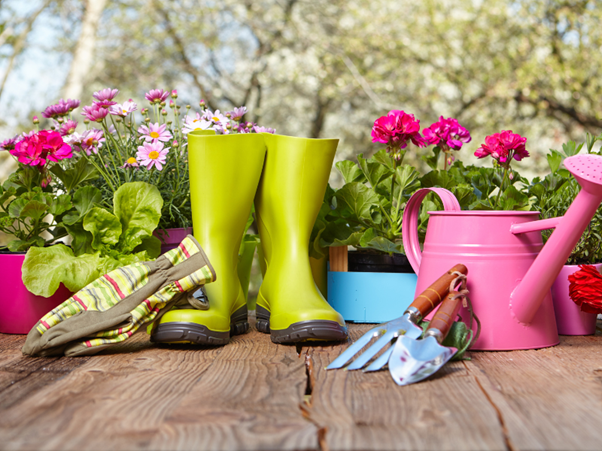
(510, 271)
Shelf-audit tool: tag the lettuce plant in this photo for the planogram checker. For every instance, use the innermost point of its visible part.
(102, 240)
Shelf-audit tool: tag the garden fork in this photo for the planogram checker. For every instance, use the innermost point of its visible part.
(405, 325)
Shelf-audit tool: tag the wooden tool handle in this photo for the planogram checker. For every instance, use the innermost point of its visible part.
(446, 315)
(433, 295)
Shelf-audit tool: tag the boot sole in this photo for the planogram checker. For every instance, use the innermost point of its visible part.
(315, 330)
(180, 332)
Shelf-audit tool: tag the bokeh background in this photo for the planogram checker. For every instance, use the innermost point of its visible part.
(319, 68)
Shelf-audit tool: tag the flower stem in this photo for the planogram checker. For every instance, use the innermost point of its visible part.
(501, 187)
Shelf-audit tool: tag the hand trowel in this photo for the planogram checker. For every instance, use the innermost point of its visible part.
(413, 360)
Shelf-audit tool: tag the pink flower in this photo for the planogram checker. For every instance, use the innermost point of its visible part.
(45, 145)
(155, 132)
(68, 127)
(152, 154)
(63, 108)
(197, 123)
(9, 144)
(396, 129)
(104, 98)
(89, 141)
(216, 118)
(95, 112)
(447, 133)
(156, 95)
(237, 113)
(260, 129)
(503, 147)
(123, 109)
(131, 163)
(174, 93)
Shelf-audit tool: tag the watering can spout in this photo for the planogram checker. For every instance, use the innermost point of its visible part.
(528, 295)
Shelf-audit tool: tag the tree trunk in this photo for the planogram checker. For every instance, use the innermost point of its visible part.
(83, 56)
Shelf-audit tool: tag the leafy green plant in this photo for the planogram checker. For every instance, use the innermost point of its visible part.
(367, 211)
(102, 240)
(553, 195)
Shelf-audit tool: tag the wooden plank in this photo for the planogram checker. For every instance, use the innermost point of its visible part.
(369, 411)
(339, 260)
(549, 398)
(247, 400)
(115, 400)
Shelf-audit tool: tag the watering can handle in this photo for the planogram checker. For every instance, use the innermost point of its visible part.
(409, 226)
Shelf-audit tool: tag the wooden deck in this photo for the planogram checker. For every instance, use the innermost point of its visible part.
(253, 394)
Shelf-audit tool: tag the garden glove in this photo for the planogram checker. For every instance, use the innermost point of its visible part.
(113, 307)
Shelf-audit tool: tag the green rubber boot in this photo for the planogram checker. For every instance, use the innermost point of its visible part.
(289, 305)
(224, 175)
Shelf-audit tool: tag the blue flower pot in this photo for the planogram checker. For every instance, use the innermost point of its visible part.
(370, 297)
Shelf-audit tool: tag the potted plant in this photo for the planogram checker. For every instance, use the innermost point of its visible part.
(552, 197)
(33, 206)
(364, 284)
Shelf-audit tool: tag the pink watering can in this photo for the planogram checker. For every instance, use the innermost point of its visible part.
(510, 271)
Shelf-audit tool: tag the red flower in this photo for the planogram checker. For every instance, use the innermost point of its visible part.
(396, 129)
(503, 147)
(37, 149)
(585, 289)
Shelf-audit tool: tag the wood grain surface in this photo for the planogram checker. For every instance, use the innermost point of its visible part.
(255, 395)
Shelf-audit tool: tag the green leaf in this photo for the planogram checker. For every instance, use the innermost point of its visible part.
(104, 227)
(373, 171)
(554, 160)
(151, 245)
(571, 148)
(359, 199)
(81, 239)
(34, 209)
(7, 193)
(350, 171)
(60, 204)
(16, 207)
(433, 160)
(22, 245)
(383, 157)
(79, 173)
(45, 268)
(83, 200)
(138, 207)
(407, 178)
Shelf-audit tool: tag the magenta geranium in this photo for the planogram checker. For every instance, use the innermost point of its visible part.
(447, 135)
(152, 154)
(155, 132)
(95, 112)
(396, 129)
(503, 147)
(42, 147)
(156, 95)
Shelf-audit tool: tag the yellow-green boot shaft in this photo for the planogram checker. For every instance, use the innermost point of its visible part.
(224, 175)
(288, 200)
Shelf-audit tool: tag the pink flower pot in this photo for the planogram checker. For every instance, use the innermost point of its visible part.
(20, 310)
(569, 317)
(170, 238)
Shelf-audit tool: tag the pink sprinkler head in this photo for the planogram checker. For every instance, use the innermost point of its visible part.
(587, 169)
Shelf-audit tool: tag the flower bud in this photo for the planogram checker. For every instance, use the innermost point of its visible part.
(229, 126)
(228, 115)
(163, 103)
(202, 104)
(163, 113)
(86, 121)
(147, 119)
(188, 107)
(36, 120)
(94, 142)
(175, 143)
(174, 93)
(511, 176)
(118, 119)
(168, 123)
(171, 104)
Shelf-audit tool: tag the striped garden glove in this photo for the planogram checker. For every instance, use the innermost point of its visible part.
(113, 307)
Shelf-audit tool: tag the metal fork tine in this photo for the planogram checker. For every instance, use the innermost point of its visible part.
(372, 350)
(354, 349)
(381, 360)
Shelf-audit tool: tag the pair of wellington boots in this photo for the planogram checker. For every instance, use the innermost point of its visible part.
(287, 179)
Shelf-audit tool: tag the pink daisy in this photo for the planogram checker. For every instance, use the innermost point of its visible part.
(152, 154)
(155, 132)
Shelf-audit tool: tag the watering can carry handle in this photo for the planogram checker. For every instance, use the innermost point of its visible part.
(409, 227)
